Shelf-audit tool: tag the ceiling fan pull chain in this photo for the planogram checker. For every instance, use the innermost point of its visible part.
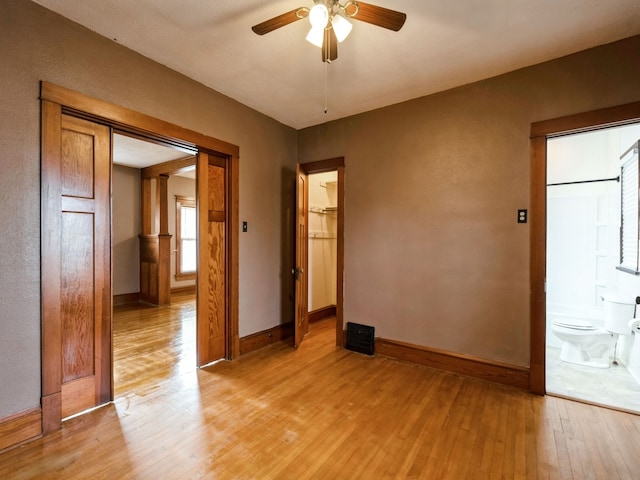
(326, 90)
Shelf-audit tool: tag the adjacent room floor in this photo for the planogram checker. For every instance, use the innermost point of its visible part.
(612, 387)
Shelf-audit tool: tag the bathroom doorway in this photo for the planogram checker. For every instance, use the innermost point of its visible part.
(583, 250)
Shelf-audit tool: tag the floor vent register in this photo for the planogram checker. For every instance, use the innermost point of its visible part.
(360, 338)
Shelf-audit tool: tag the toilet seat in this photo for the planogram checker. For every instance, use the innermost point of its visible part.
(574, 323)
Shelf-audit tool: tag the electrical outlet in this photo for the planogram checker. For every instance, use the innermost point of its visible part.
(522, 215)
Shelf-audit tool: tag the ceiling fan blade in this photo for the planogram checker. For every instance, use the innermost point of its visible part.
(382, 17)
(280, 21)
(329, 45)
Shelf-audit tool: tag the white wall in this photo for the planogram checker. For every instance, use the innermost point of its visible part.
(322, 240)
(583, 224)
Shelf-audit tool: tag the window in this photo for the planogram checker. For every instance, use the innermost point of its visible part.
(629, 211)
(186, 264)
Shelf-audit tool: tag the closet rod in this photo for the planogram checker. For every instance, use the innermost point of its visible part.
(614, 179)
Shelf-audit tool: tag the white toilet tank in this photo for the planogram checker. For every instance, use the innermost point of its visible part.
(618, 310)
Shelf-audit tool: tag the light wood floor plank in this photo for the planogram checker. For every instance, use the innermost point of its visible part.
(318, 412)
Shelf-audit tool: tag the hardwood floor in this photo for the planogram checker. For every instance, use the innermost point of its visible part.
(152, 345)
(321, 412)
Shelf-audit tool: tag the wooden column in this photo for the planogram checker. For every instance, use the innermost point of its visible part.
(164, 242)
(145, 206)
(155, 244)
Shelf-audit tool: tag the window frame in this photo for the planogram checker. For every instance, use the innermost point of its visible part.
(629, 211)
(189, 202)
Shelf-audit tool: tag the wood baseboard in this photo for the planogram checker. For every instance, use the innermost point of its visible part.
(125, 298)
(20, 427)
(266, 337)
(322, 313)
(455, 363)
(189, 289)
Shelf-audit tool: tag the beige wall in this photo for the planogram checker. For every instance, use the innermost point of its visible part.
(126, 219)
(36, 45)
(433, 253)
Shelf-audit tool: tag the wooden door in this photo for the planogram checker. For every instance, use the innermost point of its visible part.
(212, 293)
(301, 322)
(76, 264)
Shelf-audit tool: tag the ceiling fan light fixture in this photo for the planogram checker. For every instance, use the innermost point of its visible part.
(341, 26)
(319, 16)
(316, 36)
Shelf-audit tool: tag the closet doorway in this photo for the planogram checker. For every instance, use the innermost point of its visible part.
(319, 246)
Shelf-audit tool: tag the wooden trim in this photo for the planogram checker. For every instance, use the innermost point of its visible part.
(172, 167)
(455, 363)
(258, 340)
(181, 277)
(233, 249)
(125, 298)
(121, 117)
(340, 335)
(145, 207)
(50, 271)
(20, 427)
(322, 313)
(537, 271)
(540, 131)
(322, 166)
(581, 122)
(186, 290)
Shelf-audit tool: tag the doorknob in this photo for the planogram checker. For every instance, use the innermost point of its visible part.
(296, 272)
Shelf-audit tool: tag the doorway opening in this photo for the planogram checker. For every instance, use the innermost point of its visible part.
(540, 132)
(588, 358)
(323, 246)
(319, 256)
(154, 336)
(76, 274)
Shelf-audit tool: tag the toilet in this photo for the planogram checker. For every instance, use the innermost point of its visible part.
(586, 344)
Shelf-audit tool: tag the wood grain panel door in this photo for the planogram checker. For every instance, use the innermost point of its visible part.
(212, 308)
(301, 322)
(76, 258)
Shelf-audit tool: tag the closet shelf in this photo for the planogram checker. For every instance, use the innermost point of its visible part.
(321, 236)
(323, 210)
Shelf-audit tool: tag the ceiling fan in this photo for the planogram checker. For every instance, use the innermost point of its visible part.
(330, 24)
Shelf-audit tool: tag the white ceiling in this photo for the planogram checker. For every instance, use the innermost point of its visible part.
(135, 153)
(443, 44)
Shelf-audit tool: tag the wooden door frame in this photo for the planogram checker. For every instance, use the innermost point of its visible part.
(335, 165)
(540, 132)
(124, 119)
